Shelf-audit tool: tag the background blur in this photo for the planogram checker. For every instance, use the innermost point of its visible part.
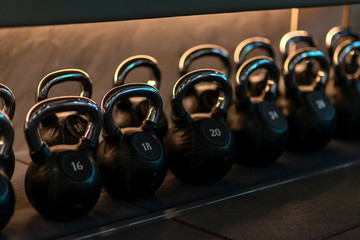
(27, 54)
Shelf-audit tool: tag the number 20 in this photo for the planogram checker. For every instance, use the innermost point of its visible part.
(215, 132)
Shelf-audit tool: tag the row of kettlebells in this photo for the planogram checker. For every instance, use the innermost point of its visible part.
(69, 166)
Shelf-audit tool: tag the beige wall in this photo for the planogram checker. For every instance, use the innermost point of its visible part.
(29, 53)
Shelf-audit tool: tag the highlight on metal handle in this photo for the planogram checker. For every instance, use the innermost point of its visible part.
(201, 51)
(335, 34)
(65, 75)
(294, 37)
(7, 134)
(345, 49)
(61, 104)
(9, 100)
(248, 45)
(126, 91)
(306, 54)
(187, 81)
(137, 61)
(247, 68)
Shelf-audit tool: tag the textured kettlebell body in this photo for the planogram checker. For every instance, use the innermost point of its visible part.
(131, 160)
(7, 194)
(310, 114)
(200, 152)
(202, 97)
(61, 186)
(311, 118)
(63, 128)
(62, 182)
(131, 113)
(200, 147)
(342, 89)
(259, 127)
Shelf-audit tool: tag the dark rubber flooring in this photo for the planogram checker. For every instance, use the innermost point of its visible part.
(302, 196)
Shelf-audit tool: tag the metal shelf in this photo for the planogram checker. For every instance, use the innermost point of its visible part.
(42, 12)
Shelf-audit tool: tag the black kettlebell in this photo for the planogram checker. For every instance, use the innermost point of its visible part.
(202, 97)
(200, 147)
(8, 108)
(7, 195)
(310, 114)
(306, 71)
(62, 182)
(343, 87)
(131, 160)
(63, 128)
(259, 127)
(131, 113)
(246, 50)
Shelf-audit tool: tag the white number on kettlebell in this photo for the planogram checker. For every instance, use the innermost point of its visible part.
(320, 103)
(146, 146)
(77, 166)
(273, 115)
(215, 132)
(79, 128)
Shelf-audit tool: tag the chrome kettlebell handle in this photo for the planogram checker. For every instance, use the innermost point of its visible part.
(335, 34)
(65, 75)
(137, 61)
(306, 54)
(7, 134)
(244, 72)
(9, 100)
(293, 37)
(187, 81)
(245, 47)
(201, 51)
(61, 104)
(124, 92)
(340, 54)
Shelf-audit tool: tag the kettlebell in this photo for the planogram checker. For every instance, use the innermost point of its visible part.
(256, 82)
(62, 182)
(131, 160)
(131, 113)
(310, 114)
(259, 127)
(306, 71)
(63, 128)
(202, 97)
(7, 195)
(200, 147)
(8, 108)
(343, 87)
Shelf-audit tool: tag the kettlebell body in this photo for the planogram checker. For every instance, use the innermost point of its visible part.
(342, 89)
(200, 147)
(131, 160)
(132, 112)
(202, 97)
(63, 128)
(62, 182)
(259, 127)
(7, 194)
(310, 114)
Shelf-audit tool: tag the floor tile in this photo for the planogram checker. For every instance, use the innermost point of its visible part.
(311, 208)
(160, 230)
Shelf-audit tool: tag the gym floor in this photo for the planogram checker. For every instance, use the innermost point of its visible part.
(301, 196)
